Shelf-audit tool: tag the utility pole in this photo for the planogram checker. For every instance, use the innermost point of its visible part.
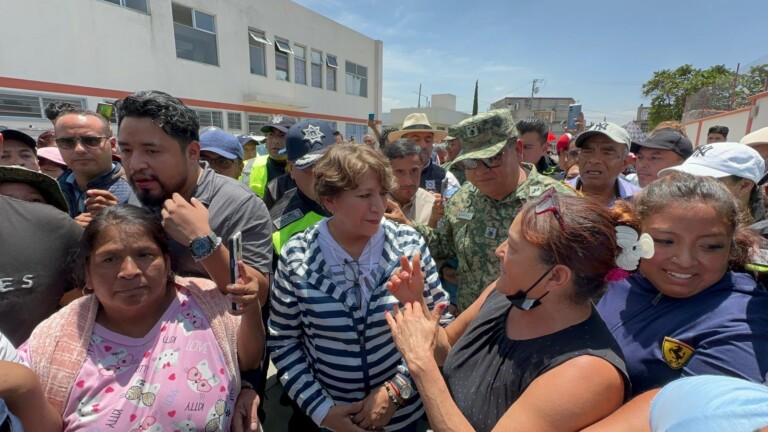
(418, 105)
(534, 90)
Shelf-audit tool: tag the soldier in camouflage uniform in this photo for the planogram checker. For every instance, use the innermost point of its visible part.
(478, 216)
(454, 148)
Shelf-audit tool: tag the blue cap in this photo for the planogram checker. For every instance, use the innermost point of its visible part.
(222, 143)
(306, 141)
(245, 139)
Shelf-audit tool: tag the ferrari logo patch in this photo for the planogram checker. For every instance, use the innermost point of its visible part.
(676, 353)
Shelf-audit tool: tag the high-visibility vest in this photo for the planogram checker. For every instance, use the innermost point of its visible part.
(255, 174)
(285, 232)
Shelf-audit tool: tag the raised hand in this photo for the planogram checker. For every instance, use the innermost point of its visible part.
(415, 333)
(407, 282)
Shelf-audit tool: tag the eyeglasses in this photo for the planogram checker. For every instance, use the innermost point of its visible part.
(352, 275)
(549, 203)
(87, 141)
(221, 162)
(489, 162)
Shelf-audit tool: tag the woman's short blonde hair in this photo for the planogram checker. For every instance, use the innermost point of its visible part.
(343, 167)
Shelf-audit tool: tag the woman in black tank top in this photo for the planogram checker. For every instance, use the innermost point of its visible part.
(531, 354)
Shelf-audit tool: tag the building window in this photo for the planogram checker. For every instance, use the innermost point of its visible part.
(300, 64)
(137, 5)
(355, 130)
(357, 79)
(282, 49)
(256, 122)
(210, 118)
(317, 69)
(195, 34)
(330, 72)
(235, 121)
(257, 47)
(29, 106)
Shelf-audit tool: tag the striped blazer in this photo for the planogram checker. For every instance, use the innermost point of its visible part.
(326, 351)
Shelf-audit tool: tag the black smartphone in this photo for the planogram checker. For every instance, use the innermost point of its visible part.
(371, 116)
(235, 246)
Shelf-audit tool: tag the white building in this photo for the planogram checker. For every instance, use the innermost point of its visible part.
(236, 61)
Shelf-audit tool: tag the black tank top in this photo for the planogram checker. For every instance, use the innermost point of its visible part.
(487, 372)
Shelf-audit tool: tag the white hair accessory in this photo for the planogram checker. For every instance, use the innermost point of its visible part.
(632, 247)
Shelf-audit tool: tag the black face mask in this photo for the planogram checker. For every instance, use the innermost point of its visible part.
(522, 302)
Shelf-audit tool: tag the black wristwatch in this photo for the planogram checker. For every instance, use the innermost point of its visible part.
(202, 247)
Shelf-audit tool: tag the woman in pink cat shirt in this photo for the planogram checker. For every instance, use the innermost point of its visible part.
(148, 351)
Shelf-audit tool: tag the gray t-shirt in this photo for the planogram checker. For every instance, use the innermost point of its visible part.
(38, 245)
(232, 207)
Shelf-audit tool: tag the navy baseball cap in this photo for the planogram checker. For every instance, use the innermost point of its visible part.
(245, 139)
(306, 142)
(11, 134)
(279, 122)
(222, 143)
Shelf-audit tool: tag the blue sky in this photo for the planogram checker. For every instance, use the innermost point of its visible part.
(598, 52)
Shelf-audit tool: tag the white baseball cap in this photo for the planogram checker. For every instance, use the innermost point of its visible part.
(722, 160)
(613, 131)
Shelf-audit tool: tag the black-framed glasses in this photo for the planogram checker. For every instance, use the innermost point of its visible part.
(87, 141)
(548, 202)
(489, 162)
(352, 275)
(221, 162)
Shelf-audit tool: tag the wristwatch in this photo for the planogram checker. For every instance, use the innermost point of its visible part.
(403, 370)
(202, 247)
(403, 387)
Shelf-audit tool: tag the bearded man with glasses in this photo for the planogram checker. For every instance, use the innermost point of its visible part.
(478, 215)
(222, 151)
(86, 144)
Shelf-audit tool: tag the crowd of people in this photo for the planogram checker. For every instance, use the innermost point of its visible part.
(488, 277)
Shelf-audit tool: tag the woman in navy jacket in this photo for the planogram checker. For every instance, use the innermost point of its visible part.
(687, 311)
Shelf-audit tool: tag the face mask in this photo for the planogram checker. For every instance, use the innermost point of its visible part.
(520, 300)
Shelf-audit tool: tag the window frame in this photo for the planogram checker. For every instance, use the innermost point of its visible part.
(122, 4)
(42, 101)
(239, 115)
(347, 74)
(257, 40)
(194, 26)
(319, 64)
(296, 60)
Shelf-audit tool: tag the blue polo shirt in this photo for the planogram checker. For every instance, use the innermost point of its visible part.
(722, 330)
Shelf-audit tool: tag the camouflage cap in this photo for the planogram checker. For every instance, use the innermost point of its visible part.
(484, 135)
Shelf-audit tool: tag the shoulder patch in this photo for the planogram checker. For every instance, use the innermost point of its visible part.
(288, 218)
(676, 353)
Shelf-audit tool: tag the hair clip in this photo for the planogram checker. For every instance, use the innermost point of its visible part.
(632, 247)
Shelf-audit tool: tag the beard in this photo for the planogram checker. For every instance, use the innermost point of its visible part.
(152, 199)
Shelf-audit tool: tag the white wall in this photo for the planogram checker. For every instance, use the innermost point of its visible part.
(736, 121)
(111, 49)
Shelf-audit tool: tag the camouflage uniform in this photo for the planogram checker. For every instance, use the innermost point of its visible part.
(474, 224)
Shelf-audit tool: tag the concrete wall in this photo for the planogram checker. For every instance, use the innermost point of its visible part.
(103, 51)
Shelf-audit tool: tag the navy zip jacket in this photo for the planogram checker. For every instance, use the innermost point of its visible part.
(722, 330)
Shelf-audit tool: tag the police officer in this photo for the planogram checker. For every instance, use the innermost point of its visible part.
(478, 216)
(297, 210)
(261, 169)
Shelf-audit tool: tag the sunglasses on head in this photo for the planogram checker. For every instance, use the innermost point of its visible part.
(548, 202)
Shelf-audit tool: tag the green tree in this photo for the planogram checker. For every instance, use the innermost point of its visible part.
(668, 89)
(474, 103)
(752, 83)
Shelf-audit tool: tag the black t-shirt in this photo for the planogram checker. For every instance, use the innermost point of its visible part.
(487, 372)
(275, 168)
(37, 259)
(276, 188)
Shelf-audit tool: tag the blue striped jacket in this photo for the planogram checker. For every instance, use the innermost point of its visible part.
(327, 352)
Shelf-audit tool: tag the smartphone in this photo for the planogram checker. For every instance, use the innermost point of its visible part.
(371, 116)
(445, 191)
(235, 246)
(574, 111)
(105, 109)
